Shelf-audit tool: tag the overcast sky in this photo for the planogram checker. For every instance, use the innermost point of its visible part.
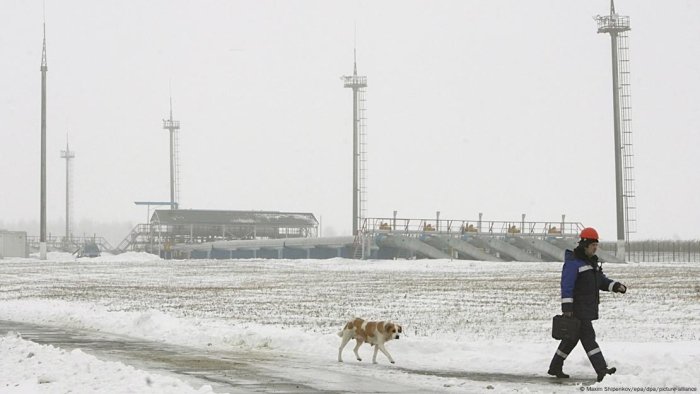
(499, 106)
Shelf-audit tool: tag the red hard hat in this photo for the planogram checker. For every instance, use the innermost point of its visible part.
(589, 233)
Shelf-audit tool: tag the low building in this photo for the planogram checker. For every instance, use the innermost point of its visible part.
(13, 244)
(170, 227)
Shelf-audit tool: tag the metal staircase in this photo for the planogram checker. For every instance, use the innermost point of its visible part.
(358, 248)
(361, 248)
(143, 237)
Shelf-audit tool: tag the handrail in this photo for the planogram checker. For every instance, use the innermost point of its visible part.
(461, 226)
(55, 241)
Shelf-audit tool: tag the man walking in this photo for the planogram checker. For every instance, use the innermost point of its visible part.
(581, 279)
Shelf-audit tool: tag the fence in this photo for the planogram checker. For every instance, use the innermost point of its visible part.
(660, 251)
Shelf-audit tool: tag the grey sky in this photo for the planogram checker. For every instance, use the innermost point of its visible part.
(501, 107)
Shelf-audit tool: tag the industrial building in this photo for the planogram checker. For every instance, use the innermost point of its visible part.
(169, 227)
(13, 244)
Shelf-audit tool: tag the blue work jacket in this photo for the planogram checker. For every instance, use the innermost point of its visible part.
(581, 280)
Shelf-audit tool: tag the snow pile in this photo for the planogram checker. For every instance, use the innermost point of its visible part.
(104, 257)
(123, 257)
(50, 256)
(158, 326)
(26, 367)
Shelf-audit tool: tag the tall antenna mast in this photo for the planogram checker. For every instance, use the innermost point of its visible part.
(68, 155)
(618, 26)
(42, 226)
(174, 127)
(358, 85)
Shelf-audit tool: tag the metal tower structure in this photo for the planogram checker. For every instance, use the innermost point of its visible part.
(68, 155)
(174, 127)
(359, 162)
(618, 26)
(42, 220)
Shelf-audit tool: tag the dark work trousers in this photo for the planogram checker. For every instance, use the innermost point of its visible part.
(587, 338)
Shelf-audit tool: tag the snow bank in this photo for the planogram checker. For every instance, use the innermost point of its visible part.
(104, 257)
(26, 367)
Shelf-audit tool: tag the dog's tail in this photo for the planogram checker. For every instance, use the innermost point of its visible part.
(347, 326)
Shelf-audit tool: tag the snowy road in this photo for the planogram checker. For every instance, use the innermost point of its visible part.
(224, 372)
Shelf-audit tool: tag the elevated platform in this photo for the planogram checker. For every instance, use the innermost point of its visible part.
(390, 245)
(70, 245)
(484, 240)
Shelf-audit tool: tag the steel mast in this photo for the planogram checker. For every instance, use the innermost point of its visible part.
(68, 155)
(174, 127)
(618, 26)
(42, 215)
(358, 85)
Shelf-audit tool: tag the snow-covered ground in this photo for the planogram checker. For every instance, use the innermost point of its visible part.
(460, 318)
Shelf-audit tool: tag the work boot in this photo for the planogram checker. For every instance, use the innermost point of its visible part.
(606, 371)
(558, 373)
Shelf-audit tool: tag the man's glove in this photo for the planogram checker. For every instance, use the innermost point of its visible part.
(568, 314)
(619, 288)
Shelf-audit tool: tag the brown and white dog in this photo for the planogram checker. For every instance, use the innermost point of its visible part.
(375, 333)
